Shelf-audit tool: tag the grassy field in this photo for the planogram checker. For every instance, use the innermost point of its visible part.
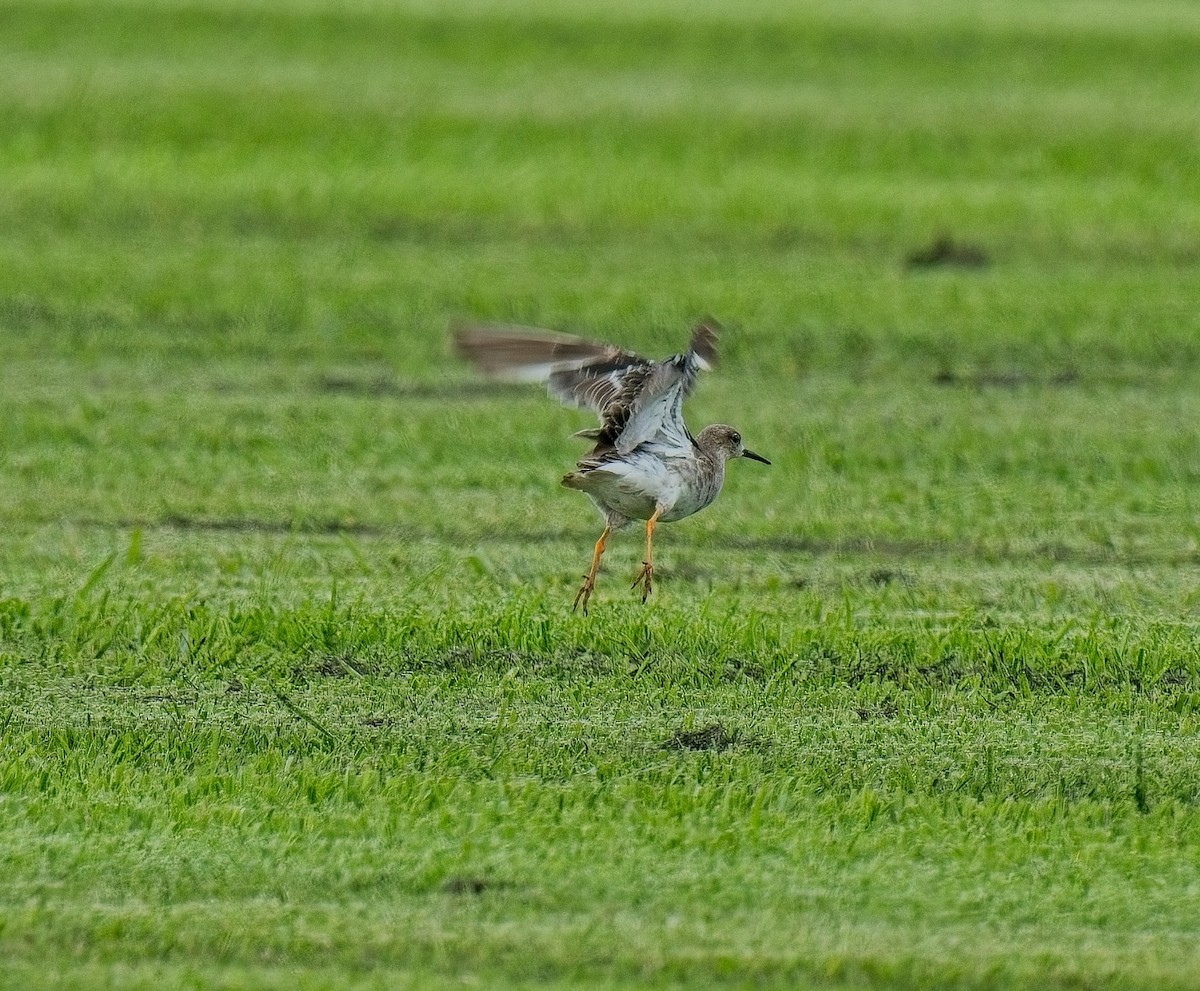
(291, 695)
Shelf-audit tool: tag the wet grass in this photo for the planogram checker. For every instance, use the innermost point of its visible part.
(290, 690)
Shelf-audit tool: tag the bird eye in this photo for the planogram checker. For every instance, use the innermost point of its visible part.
(737, 438)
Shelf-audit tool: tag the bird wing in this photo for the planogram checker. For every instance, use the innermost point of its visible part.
(638, 400)
(654, 414)
(581, 373)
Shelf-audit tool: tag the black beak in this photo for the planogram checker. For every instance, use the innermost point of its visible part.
(754, 457)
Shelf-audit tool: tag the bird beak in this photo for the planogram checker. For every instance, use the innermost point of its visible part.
(754, 457)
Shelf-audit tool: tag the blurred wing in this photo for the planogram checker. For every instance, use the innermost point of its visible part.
(580, 373)
(637, 400)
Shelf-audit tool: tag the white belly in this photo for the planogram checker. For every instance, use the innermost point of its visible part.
(640, 483)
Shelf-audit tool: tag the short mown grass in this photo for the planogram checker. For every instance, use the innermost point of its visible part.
(291, 695)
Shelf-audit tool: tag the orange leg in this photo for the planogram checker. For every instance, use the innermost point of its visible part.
(589, 580)
(645, 576)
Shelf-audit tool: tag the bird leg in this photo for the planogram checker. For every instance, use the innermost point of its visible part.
(589, 580)
(645, 576)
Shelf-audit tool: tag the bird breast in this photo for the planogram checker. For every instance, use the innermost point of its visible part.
(697, 488)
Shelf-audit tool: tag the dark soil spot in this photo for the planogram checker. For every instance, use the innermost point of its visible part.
(1176, 678)
(885, 576)
(737, 668)
(462, 885)
(337, 666)
(944, 251)
(983, 379)
(880, 710)
(409, 229)
(1004, 380)
(711, 737)
(785, 237)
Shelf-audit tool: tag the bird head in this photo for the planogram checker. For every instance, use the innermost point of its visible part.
(725, 442)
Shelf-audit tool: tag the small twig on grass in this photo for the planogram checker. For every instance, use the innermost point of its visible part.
(295, 710)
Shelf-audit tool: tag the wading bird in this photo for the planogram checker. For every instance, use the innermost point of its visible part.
(646, 464)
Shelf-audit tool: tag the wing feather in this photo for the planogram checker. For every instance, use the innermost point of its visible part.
(639, 401)
(656, 412)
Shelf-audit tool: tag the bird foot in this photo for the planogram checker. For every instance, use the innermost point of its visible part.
(645, 579)
(584, 593)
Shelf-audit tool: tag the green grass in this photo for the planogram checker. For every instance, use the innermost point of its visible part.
(290, 690)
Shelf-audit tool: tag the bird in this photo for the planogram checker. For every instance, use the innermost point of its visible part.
(645, 464)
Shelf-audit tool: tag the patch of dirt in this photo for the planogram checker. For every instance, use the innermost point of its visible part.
(879, 710)
(1004, 380)
(737, 668)
(711, 737)
(944, 251)
(467, 885)
(885, 576)
(979, 380)
(409, 229)
(338, 666)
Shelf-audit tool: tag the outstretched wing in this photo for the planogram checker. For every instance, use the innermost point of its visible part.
(637, 400)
